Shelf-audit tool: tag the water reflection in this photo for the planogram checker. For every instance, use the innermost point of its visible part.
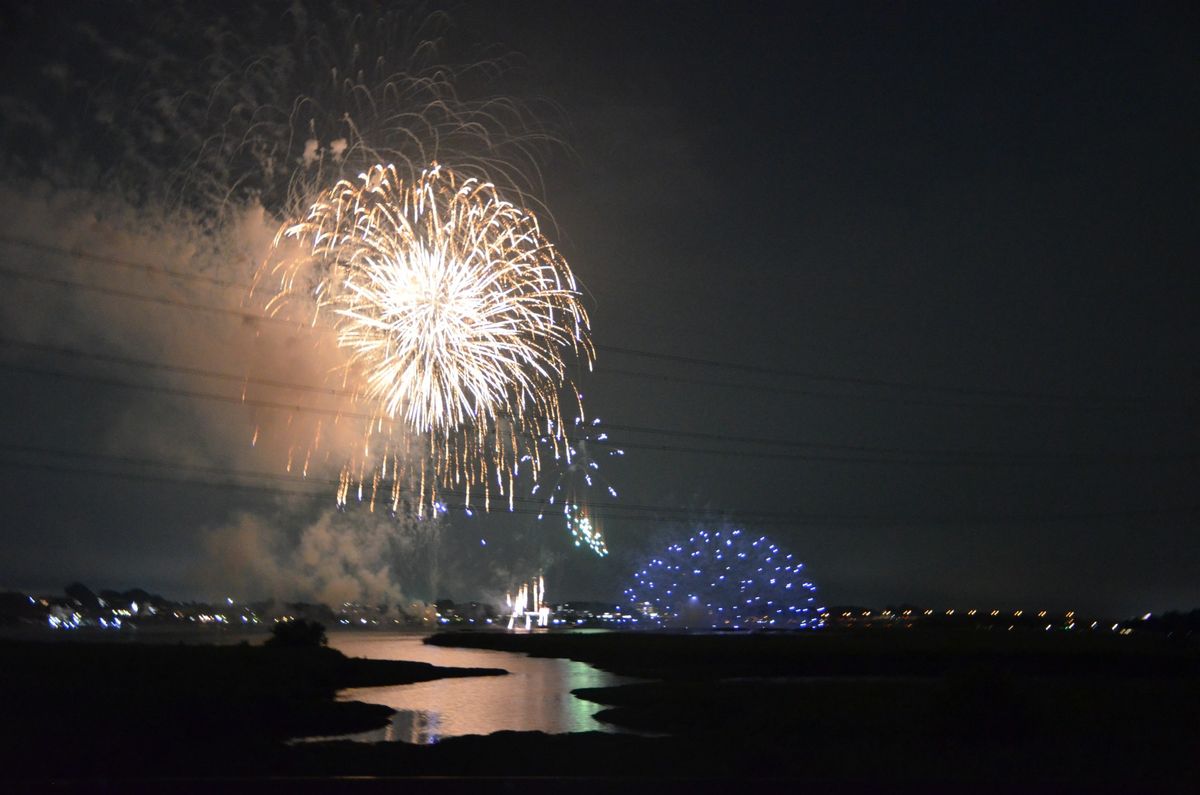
(411, 726)
(535, 696)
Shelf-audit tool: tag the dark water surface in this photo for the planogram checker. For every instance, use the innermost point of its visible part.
(535, 696)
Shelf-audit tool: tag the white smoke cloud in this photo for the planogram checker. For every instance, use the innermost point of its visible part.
(220, 129)
(338, 557)
(82, 303)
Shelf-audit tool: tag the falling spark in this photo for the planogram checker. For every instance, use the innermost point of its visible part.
(458, 319)
(570, 479)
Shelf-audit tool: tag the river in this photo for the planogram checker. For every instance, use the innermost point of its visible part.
(535, 696)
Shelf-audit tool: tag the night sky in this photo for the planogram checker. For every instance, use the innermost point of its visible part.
(910, 288)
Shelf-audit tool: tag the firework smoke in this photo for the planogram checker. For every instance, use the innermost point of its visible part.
(203, 132)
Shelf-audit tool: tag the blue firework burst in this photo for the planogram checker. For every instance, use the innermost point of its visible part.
(725, 579)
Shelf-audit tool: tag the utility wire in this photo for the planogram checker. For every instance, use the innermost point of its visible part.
(853, 380)
(757, 388)
(900, 451)
(638, 429)
(76, 353)
(824, 458)
(150, 299)
(780, 389)
(760, 455)
(186, 393)
(120, 262)
(652, 513)
(856, 381)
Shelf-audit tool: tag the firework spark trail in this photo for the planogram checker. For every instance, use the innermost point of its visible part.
(269, 117)
(454, 312)
(206, 128)
(576, 474)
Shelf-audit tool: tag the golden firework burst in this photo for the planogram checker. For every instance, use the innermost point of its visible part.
(457, 313)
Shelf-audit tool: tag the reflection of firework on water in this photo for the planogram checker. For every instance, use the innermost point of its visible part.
(725, 579)
(568, 483)
(454, 312)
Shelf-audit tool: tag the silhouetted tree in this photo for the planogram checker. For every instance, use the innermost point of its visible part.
(298, 634)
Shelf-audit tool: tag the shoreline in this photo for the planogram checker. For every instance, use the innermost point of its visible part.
(139, 712)
(238, 701)
(833, 653)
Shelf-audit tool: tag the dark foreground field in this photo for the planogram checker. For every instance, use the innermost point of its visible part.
(995, 709)
(78, 709)
(863, 711)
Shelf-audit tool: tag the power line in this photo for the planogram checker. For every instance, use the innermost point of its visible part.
(664, 513)
(130, 361)
(854, 380)
(1047, 398)
(121, 262)
(760, 455)
(927, 452)
(150, 299)
(758, 388)
(172, 465)
(779, 389)
(766, 455)
(544, 505)
(186, 393)
(764, 441)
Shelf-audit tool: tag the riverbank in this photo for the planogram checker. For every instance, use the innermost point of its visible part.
(1089, 716)
(972, 708)
(853, 653)
(82, 709)
(534, 697)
